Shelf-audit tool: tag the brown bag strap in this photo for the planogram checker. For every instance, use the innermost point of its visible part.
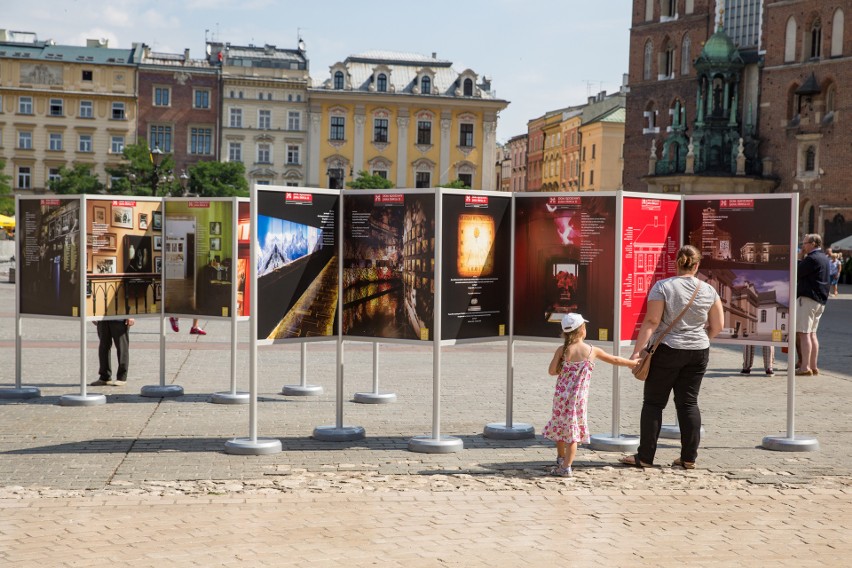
(677, 319)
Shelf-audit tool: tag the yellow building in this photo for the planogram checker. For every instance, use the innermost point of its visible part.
(410, 118)
(264, 104)
(602, 143)
(551, 167)
(61, 105)
(571, 148)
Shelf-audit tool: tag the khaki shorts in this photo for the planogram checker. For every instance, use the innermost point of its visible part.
(808, 313)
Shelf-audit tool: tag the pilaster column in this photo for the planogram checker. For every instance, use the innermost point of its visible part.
(446, 140)
(358, 142)
(489, 154)
(314, 136)
(402, 123)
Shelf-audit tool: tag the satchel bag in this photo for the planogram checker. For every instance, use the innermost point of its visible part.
(640, 371)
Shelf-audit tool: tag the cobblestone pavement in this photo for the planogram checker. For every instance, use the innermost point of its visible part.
(143, 482)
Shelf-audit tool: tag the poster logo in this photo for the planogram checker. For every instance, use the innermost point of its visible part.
(563, 200)
(123, 203)
(478, 201)
(389, 199)
(198, 204)
(651, 205)
(49, 202)
(736, 204)
(296, 198)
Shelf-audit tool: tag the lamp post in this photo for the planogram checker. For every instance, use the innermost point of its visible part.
(156, 160)
(184, 182)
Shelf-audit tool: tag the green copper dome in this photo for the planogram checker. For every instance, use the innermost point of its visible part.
(718, 51)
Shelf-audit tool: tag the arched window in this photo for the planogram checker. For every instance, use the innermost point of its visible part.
(649, 55)
(467, 88)
(837, 25)
(790, 41)
(686, 56)
(426, 85)
(338, 80)
(810, 159)
(668, 61)
(816, 40)
(649, 10)
(831, 98)
(382, 83)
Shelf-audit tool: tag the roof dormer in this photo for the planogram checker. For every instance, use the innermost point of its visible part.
(381, 80)
(466, 85)
(424, 82)
(340, 79)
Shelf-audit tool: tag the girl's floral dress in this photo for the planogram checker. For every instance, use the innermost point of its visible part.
(569, 422)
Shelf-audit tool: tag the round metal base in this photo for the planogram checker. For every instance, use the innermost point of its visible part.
(230, 397)
(672, 431)
(430, 445)
(299, 390)
(161, 391)
(796, 444)
(20, 394)
(82, 400)
(610, 443)
(335, 434)
(249, 447)
(374, 397)
(518, 431)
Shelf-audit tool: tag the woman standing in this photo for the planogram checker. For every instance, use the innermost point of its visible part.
(680, 361)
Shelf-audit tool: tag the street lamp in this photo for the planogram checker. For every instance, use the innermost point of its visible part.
(184, 182)
(156, 160)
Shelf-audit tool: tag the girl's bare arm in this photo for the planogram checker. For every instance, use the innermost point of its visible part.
(613, 359)
(556, 362)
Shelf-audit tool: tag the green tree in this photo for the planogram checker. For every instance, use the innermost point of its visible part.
(457, 184)
(77, 179)
(366, 180)
(7, 202)
(138, 175)
(218, 179)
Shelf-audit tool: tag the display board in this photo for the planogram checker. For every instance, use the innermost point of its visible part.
(297, 270)
(564, 262)
(198, 245)
(49, 242)
(123, 257)
(389, 264)
(475, 264)
(747, 245)
(243, 257)
(650, 236)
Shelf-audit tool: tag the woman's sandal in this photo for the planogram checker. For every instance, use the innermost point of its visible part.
(685, 465)
(634, 461)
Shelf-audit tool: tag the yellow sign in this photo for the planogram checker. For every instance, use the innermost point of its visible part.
(224, 311)
(603, 334)
(501, 329)
(424, 333)
(777, 335)
(74, 311)
(153, 309)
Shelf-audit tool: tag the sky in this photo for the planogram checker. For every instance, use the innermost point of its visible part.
(541, 55)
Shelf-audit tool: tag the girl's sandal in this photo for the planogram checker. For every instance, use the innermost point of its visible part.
(684, 464)
(634, 461)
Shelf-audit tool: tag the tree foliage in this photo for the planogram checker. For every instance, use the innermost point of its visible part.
(366, 180)
(218, 179)
(456, 184)
(7, 202)
(138, 176)
(77, 179)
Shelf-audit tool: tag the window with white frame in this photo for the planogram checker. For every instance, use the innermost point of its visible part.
(236, 115)
(25, 105)
(294, 120)
(118, 111)
(423, 179)
(201, 141)
(264, 153)
(264, 119)
(338, 80)
(235, 151)
(424, 132)
(380, 130)
(53, 175)
(55, 141)
(116, 144)
(25, 140)
(87, 109)
(161, 137)
(84, 143)
(466, 135)
(338, 129)
(382, 83)
(201, 98)
(56, 107)
(24, 177)
(426, 85)
(293, 154)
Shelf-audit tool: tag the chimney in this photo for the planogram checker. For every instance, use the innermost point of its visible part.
(434, 55)
(186, 55)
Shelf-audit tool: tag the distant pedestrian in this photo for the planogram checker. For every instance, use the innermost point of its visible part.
(834, 270)
(812, 289)
(768, 353)
(113, 332)
(573, 362)
(194, 330)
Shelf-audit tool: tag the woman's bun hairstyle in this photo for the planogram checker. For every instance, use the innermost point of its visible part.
(688, 257)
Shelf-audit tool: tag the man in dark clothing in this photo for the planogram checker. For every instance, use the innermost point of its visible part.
(109, 332)
(811, 296)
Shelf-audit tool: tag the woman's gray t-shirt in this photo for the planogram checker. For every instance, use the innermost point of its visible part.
(675, 293)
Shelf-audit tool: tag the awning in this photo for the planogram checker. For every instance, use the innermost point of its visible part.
(6, 222)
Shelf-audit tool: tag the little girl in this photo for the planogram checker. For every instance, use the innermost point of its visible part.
(573, 362)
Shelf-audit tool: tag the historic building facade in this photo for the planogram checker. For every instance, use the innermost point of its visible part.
(601, 142)
(517, 146)
(263, 110)
(61, 105)
(410, 118)
(179, 107)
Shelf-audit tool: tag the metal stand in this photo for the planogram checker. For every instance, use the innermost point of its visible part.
(436, 444)
(672, 431)
(375, 397)
(18, 392)
(303, 388)
(232, 396)
(252, 445)
(339, 432)
(509, 430)
(84, 398)
(162, 390)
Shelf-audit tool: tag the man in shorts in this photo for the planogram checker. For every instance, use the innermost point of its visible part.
(811, 297)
